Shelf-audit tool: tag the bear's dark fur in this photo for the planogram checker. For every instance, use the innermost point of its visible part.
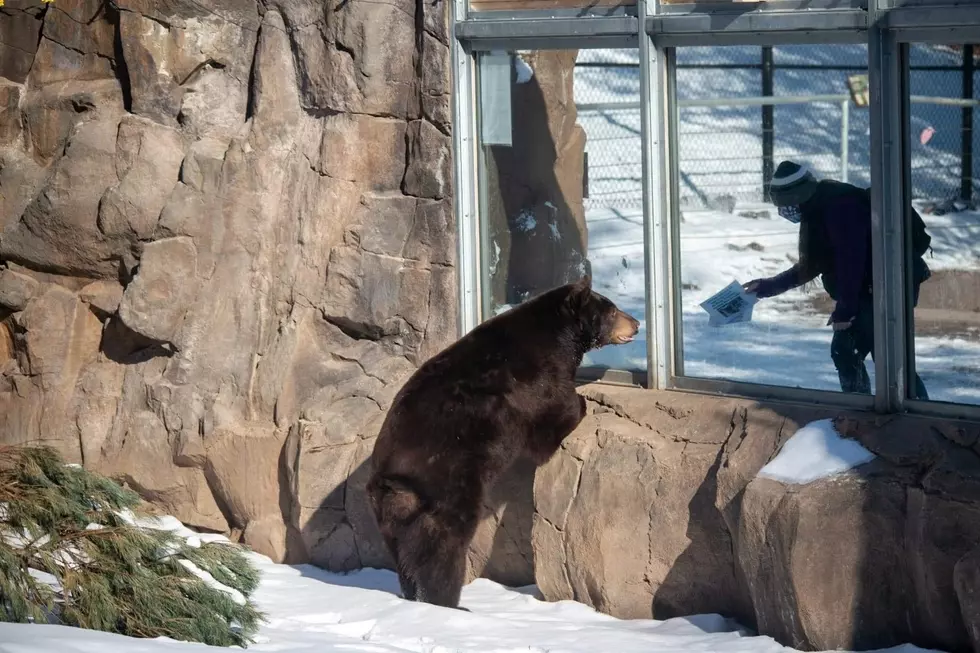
(504, 390)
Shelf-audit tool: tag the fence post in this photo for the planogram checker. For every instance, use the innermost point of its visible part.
(845, 145)
(966, 134)
(767, 121)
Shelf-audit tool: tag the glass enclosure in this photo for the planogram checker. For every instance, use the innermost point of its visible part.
(741, 112)
(783, 192)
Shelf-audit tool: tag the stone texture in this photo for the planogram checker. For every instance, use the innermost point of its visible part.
(20, 28)
(76, 25)
(57, 230)
(157, 299)
(966, 580)
(241, 464)
(102, 296)
(148, 159)
(429, 173)
(16, 289)
(55, 63)
(654, 508)
(212, 277)
(11, 119)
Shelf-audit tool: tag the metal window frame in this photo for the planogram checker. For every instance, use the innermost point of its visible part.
(768, 7)
(465, 179)
(656, 30)
(677, 380)
(558, 12)
(904, 39)
(916, 17)
(887, 196)
(548, 33)
(657, 171)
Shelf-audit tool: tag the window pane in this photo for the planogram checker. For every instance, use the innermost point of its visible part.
(742, 112)
(943, 119)
(564, 197)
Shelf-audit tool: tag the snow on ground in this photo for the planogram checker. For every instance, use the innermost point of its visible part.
(725, 235)
(312, 610)
(815, 451)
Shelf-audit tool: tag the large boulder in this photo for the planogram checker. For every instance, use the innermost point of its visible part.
(656, 507)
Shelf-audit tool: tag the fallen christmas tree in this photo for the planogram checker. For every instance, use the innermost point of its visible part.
(78, 549)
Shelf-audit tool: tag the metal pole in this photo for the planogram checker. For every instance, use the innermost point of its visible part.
(767, 121)
(845, 145)
(465, 167)
(887, 216)
(966, 134)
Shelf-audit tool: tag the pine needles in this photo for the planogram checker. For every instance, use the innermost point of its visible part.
(74, 550)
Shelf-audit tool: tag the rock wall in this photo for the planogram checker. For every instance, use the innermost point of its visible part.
(654, 508)
(226, 238)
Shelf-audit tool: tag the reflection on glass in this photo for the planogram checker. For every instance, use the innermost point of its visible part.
(561, 189)
(942, 138)
(757, 127)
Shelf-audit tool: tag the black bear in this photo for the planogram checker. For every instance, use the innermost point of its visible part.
(504, 390)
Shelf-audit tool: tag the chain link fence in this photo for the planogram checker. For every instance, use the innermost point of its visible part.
(607, 94)
(742, 109)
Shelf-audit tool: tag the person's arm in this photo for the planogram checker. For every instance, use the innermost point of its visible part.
(849, 230)
(777, 285)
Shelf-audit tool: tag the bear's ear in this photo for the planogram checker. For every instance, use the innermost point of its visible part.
(578, 293)
(585, 283)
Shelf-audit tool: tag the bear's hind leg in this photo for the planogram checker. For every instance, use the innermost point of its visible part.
(409, 589)
(440, 578)
(433, 553)
(405, 581)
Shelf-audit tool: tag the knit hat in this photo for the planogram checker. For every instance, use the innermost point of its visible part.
(792, 184)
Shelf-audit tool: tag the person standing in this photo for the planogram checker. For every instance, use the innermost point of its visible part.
(835, 244)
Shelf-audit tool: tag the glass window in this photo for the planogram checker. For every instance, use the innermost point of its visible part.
(756, 127)
(560, 182)
(945, 277)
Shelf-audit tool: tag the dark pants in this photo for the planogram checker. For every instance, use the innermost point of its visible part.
(850, 347)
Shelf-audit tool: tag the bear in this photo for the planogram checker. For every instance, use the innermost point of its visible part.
(504, 390)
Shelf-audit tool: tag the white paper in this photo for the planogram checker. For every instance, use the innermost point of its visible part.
(729, 305)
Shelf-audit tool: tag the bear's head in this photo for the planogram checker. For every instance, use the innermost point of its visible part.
(597, 319)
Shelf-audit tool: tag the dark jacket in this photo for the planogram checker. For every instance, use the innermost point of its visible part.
(838, 222)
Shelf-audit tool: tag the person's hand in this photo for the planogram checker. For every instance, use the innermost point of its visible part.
(840, 326)
(752, 286)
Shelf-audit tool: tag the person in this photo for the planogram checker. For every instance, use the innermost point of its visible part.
(835, 244)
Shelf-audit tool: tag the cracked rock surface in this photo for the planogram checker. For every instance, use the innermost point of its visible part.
(653, 507)
(226, 239)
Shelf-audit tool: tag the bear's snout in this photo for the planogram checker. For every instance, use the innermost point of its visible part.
(624, 328)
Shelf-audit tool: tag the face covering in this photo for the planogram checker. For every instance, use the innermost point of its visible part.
(791, 213)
